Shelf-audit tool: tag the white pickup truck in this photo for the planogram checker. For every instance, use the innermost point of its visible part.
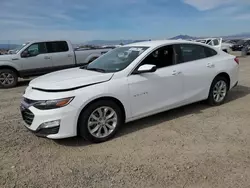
(216, 43)
(41, 57)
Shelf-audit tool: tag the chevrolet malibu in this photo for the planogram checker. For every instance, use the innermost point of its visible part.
(127, 83)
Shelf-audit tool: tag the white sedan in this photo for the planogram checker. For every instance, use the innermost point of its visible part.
(127, 83)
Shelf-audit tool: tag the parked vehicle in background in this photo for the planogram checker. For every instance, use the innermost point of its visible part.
(215, 42)
(241, 44)
(41, 57)
(127, 83)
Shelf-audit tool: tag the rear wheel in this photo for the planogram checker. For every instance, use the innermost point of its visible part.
(218, 91)
(8, 78)
(100, 121)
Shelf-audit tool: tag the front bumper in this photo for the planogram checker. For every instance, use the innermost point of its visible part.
(34, 118)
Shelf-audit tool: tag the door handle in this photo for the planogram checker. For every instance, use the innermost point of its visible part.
(47, 57)
(69, 55)
(210, 65)
(176, 72)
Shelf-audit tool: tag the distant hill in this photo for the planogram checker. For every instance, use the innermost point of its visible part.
(237, 36)
(112, 42)
(184, 37)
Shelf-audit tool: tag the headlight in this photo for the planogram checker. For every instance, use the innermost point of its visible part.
(52, 104)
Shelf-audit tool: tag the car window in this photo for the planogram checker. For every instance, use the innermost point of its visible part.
(161, 57)
(57, 46)
(116, 59)
(209, 41)
(216, 42)
(191, 52)
(37, 48)
(209, 52)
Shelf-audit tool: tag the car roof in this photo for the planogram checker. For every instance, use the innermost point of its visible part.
(155, 43)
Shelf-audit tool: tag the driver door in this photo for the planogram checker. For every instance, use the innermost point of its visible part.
(36, 60)
(160, 90)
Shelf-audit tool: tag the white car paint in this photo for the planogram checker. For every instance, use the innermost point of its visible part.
(140, 94)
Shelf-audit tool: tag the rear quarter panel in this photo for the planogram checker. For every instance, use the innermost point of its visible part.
(227, 64)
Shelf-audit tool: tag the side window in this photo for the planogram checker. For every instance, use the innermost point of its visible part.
(36, 48)
(210, 43)
(161, 57)
(58, 46)
(191, 52)
(210, 52)
(216, 42)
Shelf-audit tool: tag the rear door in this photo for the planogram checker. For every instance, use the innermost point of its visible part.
(61, 53)
(198, 70)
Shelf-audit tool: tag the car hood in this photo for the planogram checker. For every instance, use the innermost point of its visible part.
(69, 79)
(8, 57)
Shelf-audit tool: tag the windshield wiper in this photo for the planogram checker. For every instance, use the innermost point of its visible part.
(92, 69)
(95, 69)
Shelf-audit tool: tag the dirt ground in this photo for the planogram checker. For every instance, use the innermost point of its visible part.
(194, 146)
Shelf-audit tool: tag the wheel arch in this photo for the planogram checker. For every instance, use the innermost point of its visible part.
(117, 101)
(225, 75)
(11, 68)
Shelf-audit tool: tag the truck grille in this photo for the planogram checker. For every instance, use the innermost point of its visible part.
(27, 116)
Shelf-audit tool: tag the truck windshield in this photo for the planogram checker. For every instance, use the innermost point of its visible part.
(117, 59)
(16, 50)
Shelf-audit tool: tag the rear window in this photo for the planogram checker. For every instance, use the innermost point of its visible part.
(192, 52)
(57, 46)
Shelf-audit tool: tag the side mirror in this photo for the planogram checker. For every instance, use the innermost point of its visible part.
(146, 68)
(25, 54)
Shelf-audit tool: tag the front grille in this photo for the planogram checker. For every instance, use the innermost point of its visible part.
(28, 116)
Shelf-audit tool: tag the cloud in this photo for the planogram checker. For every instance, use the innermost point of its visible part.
(203, 5)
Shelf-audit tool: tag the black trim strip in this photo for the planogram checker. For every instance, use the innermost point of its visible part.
(69, 89)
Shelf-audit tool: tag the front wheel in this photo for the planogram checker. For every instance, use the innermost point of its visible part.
(100, 121)
(8, 78)
(218, 91)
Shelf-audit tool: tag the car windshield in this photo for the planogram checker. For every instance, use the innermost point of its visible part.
(16, 50)
(117, 59)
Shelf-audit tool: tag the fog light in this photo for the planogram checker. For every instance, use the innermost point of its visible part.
(50, 124)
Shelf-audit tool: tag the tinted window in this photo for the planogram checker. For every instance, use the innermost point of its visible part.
(209, 52)
(37, 48)
(191, 52)
(59, 46)
(161, 57)
(208, 41)
(216, 42)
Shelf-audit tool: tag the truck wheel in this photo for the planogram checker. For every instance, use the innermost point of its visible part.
(8, 78)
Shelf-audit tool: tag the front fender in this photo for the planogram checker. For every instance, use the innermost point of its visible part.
(10, 64)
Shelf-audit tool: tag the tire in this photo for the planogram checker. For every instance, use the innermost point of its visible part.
(212, 100)
(8, 78)
(84, 127)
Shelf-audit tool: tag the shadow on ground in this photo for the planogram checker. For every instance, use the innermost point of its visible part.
(196, 108)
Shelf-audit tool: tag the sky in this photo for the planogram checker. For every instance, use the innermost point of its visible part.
(85, 20)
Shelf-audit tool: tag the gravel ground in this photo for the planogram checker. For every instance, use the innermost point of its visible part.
(193, 146)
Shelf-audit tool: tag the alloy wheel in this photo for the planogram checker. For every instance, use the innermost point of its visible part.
(102, 122)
